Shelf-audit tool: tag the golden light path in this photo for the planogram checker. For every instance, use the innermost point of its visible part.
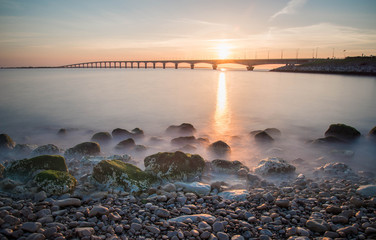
(222, 115)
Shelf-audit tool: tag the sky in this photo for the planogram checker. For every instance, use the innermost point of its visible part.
(60, 32)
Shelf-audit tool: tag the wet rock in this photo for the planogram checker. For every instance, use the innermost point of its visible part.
(40, 196)
(169, 187)
(226, 166)
(235, 195)
(84, 231)
(31, 226)
(6, 142)
(283, 203)
(98, 210)
(24, 169)
(68, 202)
(175, 165)
(336, 169)
(12, 220)
(333, 209)
(218, 227)
(161, 212)
(119, 174)
(83, 149)
(343, 132)
(201, 189)
(346, 231)
(49, 149)
(55, 182)
(222, 236)
(219, 148)
(183, 129)
(340, 219)
(127, 144)
(317, 225)
(273, 166)
(9, 184)
(237, 237)
(120, 133)
(36, 236)
(153, 229)
(263, 137)
(367, 190)
(193, 218)
(204, 226)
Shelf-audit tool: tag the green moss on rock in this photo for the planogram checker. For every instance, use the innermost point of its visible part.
(226, 166)
(24, 169)
(55, 182)
(175, 165)
(119, 174)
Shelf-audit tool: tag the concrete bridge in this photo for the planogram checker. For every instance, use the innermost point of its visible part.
(249, 63)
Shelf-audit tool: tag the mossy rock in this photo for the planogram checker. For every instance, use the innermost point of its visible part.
(83, 149)
(24, 169)
(125, 175)
(6, 142)
(175, 165)
(55, 182)
(226, 166)
(126, 144)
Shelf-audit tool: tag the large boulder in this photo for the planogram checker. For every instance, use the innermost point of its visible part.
(226, 166)
(372, 133)
(263, 137)
(125, 144)
(23, 150)
(102, 137)
(116, 173)
(83, 149)
(219, 148)
(48, 149)
(175, 165)
(6, 142)
(137, 133)
(55, 182)
(184, 129)
(343, 132)
(120, 133)
(24, 169)
(274, 166)
(367, 190)
(181, 141)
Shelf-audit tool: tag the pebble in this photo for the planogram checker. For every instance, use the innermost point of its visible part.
(283, 203)
(222, 236)
(98, 210)
(31, 226)
(161, 212)
(317, 225)
(68, 202)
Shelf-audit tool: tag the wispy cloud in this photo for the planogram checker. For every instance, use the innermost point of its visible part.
(291, 7)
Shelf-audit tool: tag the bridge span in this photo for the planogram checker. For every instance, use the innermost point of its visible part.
(249, 63)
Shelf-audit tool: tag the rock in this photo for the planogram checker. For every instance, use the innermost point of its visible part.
(201, 189)
(36, 236)
(6, 142)
(346, 231)
(153, 229)
(84, 231)
(237, 237)
(184, 129)
(180, 141)
(333, 209)
(9, 184)
(136, 226)
(283, 203)
(175, 165)
(55, 182)
(169, 187)
(273, 132)
(327, 140)
(367, 190)
(336, 169)
(342, 154)
(226, 166)
(204, 226)
(317, 225)
(2, 168)
(120, 133)
(161, 212)
(340, 219)
(83, 149)
(48, 149)
(137, 133)
(235, 195)
(263, 137)
(62, 132)
(127, 144)
(342, 132)
(98, 210)
(372, 132)
(31, 226)
(101, 137)
(24, 169)
(22, 150)
(40, 196)
(193, 218)
(119, 174)
(68, 202)
(273, 166)
(97, 159)
(222, 236)
(219, 148)
(12, 220)
(218, 227)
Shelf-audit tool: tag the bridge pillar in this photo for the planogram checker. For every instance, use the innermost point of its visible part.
(164, 65)
(146, 65)
(125, 64)
(154, 65)
(215, 66)
(131, 64)
(192, 66)
(138, 65)
(176, 65)
(250, 68)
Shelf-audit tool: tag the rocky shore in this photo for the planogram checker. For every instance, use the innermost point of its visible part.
(79, 194)
(350, 65)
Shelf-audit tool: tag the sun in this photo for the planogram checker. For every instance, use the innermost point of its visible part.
(223, 50)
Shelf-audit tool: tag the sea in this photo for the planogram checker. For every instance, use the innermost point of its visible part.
(224, 104)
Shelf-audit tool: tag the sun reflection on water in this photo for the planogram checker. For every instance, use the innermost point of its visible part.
(222, 116)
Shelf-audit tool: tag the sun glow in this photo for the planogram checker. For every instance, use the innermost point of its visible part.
(224, 50)
(222, 117)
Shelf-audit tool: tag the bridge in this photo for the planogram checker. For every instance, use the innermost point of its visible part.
(249, 63)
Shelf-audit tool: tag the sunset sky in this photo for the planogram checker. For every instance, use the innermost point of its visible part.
(49, 33)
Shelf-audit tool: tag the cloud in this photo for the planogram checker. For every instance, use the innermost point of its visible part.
(291, 7)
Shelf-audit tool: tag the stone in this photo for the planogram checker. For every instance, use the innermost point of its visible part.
(333, 209)
(199, 188)
(31, 226)
(169, 187)
(12, 220)
(226, 166)
(55, 182)
(23, 150)
(186, 210)
(127, 144)
(161, 212)
(283, 203)
(367, 190)
(101, 137)
(340, 219)
(273, 132)
(263, 137)
(222, 236)
(237, 237)
(372, 132)
(181, 141)
(317, 225)
(136, 226)
(6, 142)
(346, 231)
(137, 133)
(343, 132)
(193, 218)
(40, 196)
(36, 236)
(235, 195)
(327, 140)
(49, 149)
(125, 175)
(176, 166)
(184, 129)
(219, 148)
(218, 227)
(274, 166)
(68, 202)
(83, 149)
(119, 229)
(153, 229)
(98, 210)
(337, 168)
(84, 231)
(120, 133)
(204, 226)
(114, 216)
(24, 169)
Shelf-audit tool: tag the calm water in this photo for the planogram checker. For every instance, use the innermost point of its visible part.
(34, 104)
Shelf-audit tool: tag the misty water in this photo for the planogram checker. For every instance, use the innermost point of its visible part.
(222, 105)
